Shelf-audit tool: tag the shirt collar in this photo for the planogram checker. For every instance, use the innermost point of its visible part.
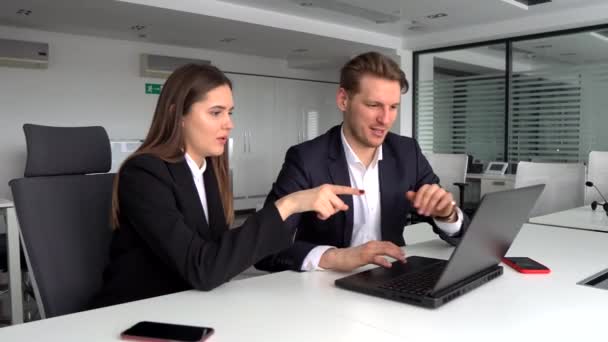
(194, 168)
(351, 157)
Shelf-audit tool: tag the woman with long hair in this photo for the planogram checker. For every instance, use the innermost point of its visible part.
(172, 205)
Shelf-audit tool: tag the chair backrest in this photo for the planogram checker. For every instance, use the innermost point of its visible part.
(597, 172)
(3, 254)
(63, 207)
(450, 168)
(563, 188)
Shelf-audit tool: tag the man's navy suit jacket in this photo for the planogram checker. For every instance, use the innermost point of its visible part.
(322, 161)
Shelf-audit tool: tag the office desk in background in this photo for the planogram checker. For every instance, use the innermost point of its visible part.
(291, 306)
(7, 210)
(577, 218)
(482, 184)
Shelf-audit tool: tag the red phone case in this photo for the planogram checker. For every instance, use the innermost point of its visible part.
(140, 338)
(151, 339)
(130, 335)
(526, 270)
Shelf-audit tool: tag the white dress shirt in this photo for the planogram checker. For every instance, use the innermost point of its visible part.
(366, 207)
(197, 174)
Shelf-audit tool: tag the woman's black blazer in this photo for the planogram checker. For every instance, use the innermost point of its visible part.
(164, 244)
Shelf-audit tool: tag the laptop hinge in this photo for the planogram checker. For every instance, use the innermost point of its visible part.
(459, 284)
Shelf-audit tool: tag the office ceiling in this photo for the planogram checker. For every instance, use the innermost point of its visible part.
(390, 18)
(121, 20)
(413, 14)
(574, 49)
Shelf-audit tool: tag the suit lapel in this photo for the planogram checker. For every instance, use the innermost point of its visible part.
(192, 207)
(387, 174)
(217, 220)
(338, 171)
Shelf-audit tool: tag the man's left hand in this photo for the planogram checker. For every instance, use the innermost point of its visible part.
(432, 200)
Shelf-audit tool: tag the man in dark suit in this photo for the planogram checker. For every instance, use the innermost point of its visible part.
(362, 153)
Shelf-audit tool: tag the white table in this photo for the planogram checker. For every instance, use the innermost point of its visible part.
(578, 218)
(14, 260)
(292, 306)
(485, 176)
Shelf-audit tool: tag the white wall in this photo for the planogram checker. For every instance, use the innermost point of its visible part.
(95, 81)
(405, 119)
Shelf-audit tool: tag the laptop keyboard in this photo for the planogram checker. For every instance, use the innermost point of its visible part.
(419, 283)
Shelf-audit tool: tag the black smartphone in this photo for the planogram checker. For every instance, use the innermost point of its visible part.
(525, 265)
(154, 331)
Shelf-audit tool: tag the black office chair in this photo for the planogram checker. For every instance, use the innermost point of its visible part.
(3, 261)
(469, 208)
(63, 207)
(4, 288)
(3, 254)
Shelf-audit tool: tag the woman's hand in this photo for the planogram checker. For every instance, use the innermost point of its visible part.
(323, 200)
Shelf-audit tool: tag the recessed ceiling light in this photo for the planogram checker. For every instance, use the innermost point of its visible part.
(437, 15)
(525, 4)
(599, 35)
(25, 12)
(306, 4)
(516, 3)
(299, 50)
(227, 40)
(138, 27)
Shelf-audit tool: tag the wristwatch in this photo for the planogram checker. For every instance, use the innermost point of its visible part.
(450, 216)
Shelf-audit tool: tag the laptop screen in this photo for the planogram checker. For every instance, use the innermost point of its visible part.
(490, 234)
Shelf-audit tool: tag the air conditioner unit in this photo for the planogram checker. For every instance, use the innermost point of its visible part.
(21, 54)
(343, 7)
(163, 66)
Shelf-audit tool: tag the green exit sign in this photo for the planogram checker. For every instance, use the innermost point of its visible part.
(153, 88)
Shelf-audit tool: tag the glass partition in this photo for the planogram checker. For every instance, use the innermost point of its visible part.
(542, 99)
(460, 102)
(559, 91)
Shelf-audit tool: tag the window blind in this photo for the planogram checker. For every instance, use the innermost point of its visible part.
(462, 115)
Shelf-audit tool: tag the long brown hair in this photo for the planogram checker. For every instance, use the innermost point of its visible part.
(186, 85)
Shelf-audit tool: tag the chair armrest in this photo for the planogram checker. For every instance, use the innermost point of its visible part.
(461, 187)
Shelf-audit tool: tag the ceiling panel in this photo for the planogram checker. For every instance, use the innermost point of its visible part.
(415, 13)
(127, 21)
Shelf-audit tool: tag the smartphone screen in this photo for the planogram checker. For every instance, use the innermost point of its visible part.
(166, 331)
(526, 265)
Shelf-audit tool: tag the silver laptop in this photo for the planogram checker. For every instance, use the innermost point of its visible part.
(431, 282)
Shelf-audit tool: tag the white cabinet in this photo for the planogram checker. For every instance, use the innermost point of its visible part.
(121, 150)
(271, 115)
(482, 184)
(304, 110)
(495, 183)
(490, 185)
(249, 161)
(329, 114)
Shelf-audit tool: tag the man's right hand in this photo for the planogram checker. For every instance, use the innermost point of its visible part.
(372, 252)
